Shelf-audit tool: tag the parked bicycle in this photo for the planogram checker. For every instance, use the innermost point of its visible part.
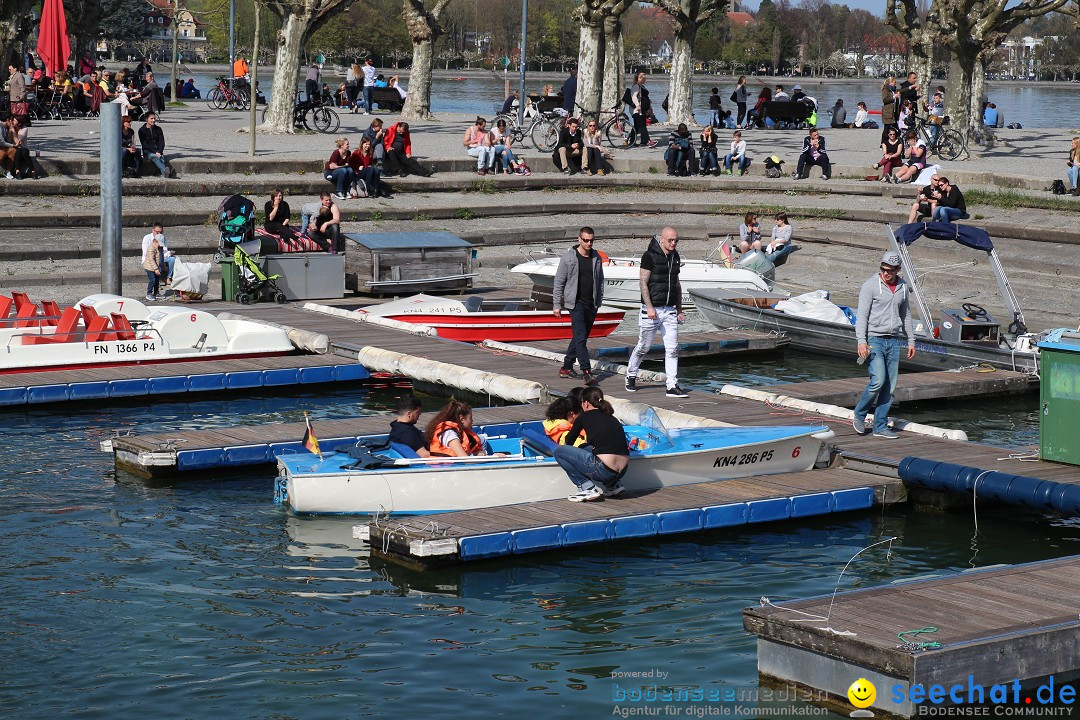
(618, 130)
(542, 131)
(311, 116)
(946, 143)
(222, 96)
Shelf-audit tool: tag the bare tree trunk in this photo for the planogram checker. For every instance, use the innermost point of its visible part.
(15, 19)
(614, 57)
(591, 62)
(291, 39)
(920, 57)
(680, 108)
(418, 101)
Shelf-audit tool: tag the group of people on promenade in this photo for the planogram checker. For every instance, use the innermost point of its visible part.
(383, 151)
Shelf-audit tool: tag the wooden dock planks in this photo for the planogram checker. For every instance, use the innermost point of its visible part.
(998, 625)
(910, 387)
(617, 348)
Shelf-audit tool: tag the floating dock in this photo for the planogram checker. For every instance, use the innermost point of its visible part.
(428, 541)
(697, 344)
(133, 381)
(997, 625)
(937, 385)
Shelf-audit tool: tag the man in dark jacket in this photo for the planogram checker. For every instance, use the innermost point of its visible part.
(153, 144)
(569, 92)
(661, 309)
(571, 148)
(813, 153)
(579, 287)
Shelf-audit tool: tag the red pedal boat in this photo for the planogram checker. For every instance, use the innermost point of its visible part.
(476, 319)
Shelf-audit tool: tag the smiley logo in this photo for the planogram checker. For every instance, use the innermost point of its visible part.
(862, 693)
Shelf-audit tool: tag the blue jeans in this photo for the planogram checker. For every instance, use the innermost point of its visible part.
(884, 367)
(714, 119)
(582, 318)
(367, 97)
(780, 253)
(729, 160)
(343, 177)
(485, 156)
(583, 468)
(1074, 176)
(152, 279)
(158, 160)
(946, 214)
(507, 155)
(709, 161)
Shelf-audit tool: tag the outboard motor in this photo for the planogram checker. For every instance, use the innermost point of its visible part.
(758, 262)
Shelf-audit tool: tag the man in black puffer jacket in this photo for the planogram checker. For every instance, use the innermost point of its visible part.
(661, 309)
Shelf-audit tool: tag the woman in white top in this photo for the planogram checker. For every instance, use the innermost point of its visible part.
(594, 155)
(396, 85)
(737, 154)
(780, 245)
(500, 145)
(861, 116)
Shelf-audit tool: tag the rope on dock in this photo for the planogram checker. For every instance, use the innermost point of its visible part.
(313, 342)
(835, 411)
(454, 376)
(614, 368)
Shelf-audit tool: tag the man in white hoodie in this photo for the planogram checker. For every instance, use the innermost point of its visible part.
(882, 328)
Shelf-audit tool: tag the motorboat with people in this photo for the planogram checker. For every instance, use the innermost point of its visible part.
(106, 330)
(373, 476)
(960, 337)
(752, 271)
(478, 319)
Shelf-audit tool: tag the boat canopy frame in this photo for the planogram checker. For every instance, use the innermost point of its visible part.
(966, 235)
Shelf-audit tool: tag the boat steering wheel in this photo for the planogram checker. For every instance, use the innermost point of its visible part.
(975, 312)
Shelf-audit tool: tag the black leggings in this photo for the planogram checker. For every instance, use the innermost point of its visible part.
(396, 163)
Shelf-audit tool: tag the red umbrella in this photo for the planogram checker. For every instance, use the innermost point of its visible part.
(53, 46)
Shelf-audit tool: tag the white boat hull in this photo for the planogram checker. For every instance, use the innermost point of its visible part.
(622, 280)
(461, 486)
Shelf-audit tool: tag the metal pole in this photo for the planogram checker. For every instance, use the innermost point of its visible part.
(111, 197)
(253, 93)
(172, 79)
(232, 39)
(521, 68)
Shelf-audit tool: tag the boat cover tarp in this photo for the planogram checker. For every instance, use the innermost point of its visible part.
(816, 306)
(973, 237)
(191, 277)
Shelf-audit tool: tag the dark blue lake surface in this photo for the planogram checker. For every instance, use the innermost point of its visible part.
(200, 598)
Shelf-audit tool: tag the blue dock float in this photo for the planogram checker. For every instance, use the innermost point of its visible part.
(133, 381)
(449, 538)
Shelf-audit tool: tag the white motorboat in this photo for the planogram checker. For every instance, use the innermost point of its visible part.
(394, 480)
(962, 337)
(106, 330)
(621, 278)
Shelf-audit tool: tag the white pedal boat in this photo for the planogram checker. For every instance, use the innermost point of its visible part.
(622, 278)
(658, 458)
(108, 330)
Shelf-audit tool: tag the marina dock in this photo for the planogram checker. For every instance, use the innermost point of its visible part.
(697, 344)
(940, 385)
(996, 625)
(428, 541)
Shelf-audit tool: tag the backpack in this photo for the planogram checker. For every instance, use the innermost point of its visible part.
(773, 166)
(627, 97)
(1058, 187)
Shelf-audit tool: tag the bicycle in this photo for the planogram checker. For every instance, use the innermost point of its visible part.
(618, 130)
(311, 116)
(543, 131)
(222, 96)
(946, 143)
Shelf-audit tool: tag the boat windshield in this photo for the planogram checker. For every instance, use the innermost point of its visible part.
(658, 436)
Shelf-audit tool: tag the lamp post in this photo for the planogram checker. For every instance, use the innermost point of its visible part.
(521, 69)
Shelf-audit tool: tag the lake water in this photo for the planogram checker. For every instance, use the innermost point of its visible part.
(131, 599)
(1030, 104)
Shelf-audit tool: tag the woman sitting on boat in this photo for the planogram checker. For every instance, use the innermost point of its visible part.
(450, 433)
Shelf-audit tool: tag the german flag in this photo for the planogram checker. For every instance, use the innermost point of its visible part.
(310, 441)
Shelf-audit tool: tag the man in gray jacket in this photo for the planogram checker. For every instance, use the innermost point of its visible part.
(882, 327)
(579, 288)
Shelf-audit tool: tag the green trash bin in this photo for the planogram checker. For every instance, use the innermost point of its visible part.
(230, 279)
(1059, 399)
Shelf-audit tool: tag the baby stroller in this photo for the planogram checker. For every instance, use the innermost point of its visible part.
(236, 221)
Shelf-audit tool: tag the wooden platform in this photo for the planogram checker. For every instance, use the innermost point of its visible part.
(700, 344)
(997, 625)
(939, 385)
(130, 381)
(449, 538)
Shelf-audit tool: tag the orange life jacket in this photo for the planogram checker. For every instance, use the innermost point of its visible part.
(557, 429)
(470, 441)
